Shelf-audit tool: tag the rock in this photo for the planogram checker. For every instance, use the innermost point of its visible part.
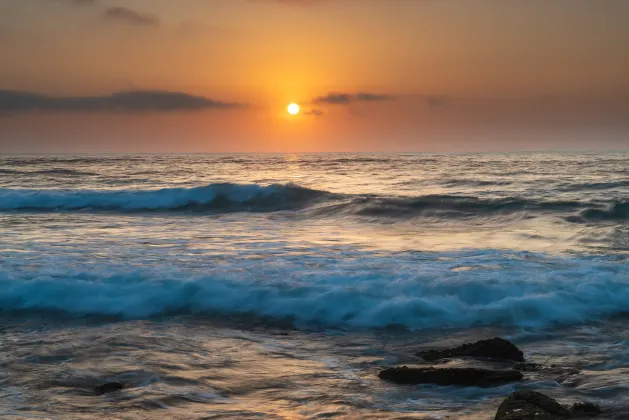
(586, 409)
(531, 405)
(495, 348)
(449, 376)
(108, 387)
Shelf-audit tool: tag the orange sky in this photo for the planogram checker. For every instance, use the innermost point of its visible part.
(435, 75)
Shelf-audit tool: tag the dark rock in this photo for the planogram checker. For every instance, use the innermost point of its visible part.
(495, 348)
(108, 387)
(586, 409)
(449, 376)
(531, 405)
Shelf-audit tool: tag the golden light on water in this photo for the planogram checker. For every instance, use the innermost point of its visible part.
(293, 109)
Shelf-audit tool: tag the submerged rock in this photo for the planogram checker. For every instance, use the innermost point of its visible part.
(495, 348)
(586, 409)
(528, 367)
(531, 405)
(108, 387)
(449, 376)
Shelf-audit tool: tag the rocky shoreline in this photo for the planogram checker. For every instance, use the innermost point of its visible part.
(488, 363)
(485, 363)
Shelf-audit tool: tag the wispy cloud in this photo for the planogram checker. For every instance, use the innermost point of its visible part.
(130, 16)
(336, 98)
(314, 112)
(130, 101)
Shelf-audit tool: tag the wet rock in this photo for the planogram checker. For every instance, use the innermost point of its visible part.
(496, 348)
(531, 405)
(108, 387)
(449, 376)
(586, 409)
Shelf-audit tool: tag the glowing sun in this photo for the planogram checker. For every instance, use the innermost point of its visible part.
(293, 109)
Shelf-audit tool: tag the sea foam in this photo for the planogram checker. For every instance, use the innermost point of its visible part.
(363, 291)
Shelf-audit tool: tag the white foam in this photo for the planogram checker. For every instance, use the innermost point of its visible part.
(349, 292)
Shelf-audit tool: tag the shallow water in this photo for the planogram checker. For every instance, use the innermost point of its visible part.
(279, 285)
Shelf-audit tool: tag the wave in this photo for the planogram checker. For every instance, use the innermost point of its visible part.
(593, 186)
(498, 289)
(39, 160)
(63, 172)
(215, 197)
(474, 183)
(226, 197)
(614, 212)
(362, 160)
(450, 206)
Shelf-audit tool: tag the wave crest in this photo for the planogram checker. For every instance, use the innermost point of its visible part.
(226, 197)
(447, 206)
(496, 289)
(616, 211)
(215, 197)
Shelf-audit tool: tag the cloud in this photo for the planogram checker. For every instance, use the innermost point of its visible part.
(129, 101)
(314, 112)
(335, 98)
(372, 97)
(130, 16)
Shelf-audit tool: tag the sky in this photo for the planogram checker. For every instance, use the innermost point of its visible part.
(370, 75)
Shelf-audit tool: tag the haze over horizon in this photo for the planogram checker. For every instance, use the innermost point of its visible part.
(396, 75)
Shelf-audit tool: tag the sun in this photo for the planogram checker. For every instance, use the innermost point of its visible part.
(293, 109)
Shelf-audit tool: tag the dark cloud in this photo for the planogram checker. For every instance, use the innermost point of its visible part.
(314, 112)
(130, 16)
(335, 98)
(373, 97)
(131, 101)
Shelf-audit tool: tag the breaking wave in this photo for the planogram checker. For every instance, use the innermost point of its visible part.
(449, 206)
(613, 212)
(217, 197)
(225, 198)
(495, 289)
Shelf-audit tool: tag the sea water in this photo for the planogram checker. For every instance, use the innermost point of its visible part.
(277, 286)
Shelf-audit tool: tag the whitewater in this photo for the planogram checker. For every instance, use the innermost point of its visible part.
(276, 286)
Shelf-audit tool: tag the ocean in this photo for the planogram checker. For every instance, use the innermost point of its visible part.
(278, 286)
